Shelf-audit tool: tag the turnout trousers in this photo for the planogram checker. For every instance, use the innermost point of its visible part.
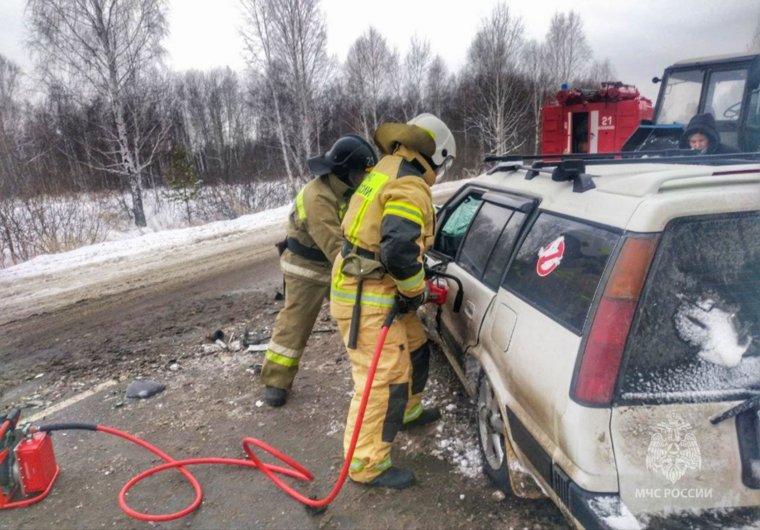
(396, 395)
(292, 328)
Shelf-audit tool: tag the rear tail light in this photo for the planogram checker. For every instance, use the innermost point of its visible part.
(600, 361)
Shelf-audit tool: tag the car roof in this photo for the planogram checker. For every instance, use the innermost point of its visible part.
(641, 197)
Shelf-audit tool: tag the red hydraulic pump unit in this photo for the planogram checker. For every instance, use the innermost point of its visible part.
(27, 464)
(592, 121)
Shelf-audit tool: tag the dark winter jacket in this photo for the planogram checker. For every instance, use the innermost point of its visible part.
(705, 123)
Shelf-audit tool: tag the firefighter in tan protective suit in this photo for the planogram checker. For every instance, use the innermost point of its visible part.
(388, 227)
(313, 241)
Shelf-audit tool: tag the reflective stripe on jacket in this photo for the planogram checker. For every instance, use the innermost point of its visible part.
(391, 215)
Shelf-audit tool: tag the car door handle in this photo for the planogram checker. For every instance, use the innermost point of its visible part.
(469, 309)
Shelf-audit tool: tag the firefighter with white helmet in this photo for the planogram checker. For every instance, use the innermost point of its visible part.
(313, 241)
(389, 225)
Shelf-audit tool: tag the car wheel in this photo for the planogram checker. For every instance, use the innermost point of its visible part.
(491, 436)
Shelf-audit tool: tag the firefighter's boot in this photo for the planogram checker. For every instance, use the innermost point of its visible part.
(426, 417)
(275, 397)
(394, 478)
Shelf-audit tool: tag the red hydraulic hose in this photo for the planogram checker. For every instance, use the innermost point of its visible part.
(319, 503)
(294, 469)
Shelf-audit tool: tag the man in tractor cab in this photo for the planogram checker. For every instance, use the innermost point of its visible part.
(389, 225)
(702, 135)
(313, 241)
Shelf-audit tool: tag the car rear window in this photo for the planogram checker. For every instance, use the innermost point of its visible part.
(697, 331)
(559, 265)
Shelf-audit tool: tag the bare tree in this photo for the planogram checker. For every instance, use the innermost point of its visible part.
(10, 110)
(213, 121)
(9, 113)
(754, 45)
(286, 46)
(107, 48)
(371, 76)
(567, 51)
(438, 86)
(600, 72)
(496, 104)
(414, 76)
(536, 71)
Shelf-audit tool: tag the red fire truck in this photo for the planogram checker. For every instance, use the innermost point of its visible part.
(592, 121)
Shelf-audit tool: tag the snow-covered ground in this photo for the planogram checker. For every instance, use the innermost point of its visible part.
(135, 259)
(131, 243)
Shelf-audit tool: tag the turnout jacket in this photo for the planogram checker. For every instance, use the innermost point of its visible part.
(314, 233)
(389, 225)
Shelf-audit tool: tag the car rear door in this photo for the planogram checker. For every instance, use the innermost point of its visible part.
(536, 325)
(693, 354)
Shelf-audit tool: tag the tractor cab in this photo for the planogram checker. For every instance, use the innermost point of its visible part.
(726, 86)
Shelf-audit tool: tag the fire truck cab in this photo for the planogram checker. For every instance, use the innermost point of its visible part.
(592, 121)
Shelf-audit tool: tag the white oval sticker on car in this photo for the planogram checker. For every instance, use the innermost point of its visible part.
(550, 256)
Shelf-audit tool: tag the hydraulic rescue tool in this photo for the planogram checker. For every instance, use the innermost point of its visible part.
(28, 468)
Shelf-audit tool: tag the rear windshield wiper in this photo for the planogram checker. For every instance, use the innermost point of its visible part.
(747, 404)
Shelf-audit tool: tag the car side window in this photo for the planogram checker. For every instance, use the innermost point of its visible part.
(752, 140)
(559, 266)
(503, 249)
(456, 224)
(481, 240)
(699, 315)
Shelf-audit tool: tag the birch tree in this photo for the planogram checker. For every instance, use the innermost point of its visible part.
(214, 120)
(539, 80)
(417, 63)
(567, 51)
(371, 73)
(10, 111)
(286, 43)
(496, 105)
(438, 86)
(754, 45)
(106, 49)
(600, 71)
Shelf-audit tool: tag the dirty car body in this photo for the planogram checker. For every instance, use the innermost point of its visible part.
(602, 331)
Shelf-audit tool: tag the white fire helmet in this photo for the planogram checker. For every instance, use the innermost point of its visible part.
(445, 146)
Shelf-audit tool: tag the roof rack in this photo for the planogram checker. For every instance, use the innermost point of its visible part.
(586, 156)
(626, 157)
(573, 167)
(566, 170)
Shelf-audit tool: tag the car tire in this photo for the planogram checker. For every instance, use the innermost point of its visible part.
(491, 436)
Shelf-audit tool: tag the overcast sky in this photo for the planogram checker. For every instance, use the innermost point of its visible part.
(639, 37)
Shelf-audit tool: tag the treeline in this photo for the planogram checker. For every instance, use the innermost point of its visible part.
(111, 117)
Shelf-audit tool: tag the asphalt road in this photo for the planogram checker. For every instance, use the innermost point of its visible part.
(70, 358)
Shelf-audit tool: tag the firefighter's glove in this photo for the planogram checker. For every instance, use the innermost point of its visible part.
(409, 305)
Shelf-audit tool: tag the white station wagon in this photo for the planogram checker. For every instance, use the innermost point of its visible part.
(611, 312)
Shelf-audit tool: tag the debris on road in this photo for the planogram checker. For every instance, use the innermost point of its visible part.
(216, 335)
(143, 389)
(255, 369)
